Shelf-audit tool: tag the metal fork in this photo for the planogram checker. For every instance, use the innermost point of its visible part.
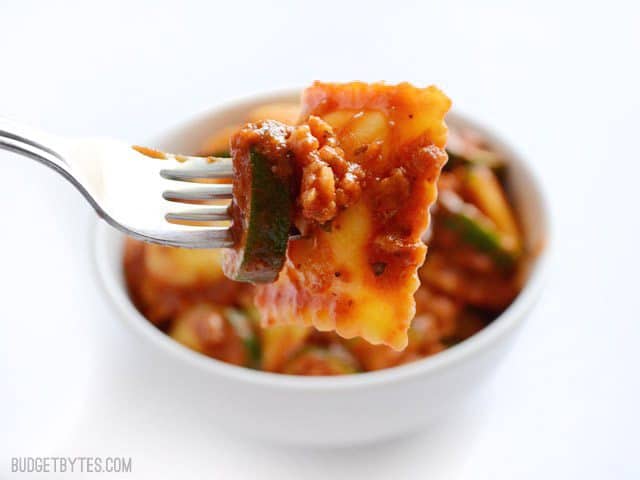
(137, 193)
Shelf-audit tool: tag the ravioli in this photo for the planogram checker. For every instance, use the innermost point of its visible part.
(368, 158)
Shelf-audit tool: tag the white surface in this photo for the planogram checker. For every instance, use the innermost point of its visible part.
(558, 80)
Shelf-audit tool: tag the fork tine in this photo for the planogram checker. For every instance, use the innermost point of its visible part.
(213, 170)
(221, 191)
(196, 236)
(210, 237)
(222, 236)
(212, 214)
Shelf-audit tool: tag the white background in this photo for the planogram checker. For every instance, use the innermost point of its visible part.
(560, 81)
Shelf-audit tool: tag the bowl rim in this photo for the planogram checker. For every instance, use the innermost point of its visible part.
(474, 345)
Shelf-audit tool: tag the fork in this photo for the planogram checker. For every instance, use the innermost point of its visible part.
(134, 189)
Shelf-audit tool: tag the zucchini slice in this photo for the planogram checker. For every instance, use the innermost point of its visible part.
(242, 325)
(485, 158)
(476, 229)
(487, 194)
(261, 209)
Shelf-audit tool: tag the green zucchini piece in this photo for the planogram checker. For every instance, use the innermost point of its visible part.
(479, 157)
(243, 326)
(487, 194)
(261, 210)
(475, 229)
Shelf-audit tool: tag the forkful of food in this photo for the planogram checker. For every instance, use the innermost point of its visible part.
(326, 213)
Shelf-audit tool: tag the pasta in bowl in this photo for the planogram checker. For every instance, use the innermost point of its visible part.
(481, 276)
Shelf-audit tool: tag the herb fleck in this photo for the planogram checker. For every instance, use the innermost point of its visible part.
(378, 268)
(361, 149)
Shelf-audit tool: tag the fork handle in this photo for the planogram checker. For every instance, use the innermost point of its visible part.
(31, 143)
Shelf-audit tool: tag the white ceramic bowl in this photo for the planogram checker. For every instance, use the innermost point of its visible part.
(330, 410)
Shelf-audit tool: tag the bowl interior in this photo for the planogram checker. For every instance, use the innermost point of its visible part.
(188, 136)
